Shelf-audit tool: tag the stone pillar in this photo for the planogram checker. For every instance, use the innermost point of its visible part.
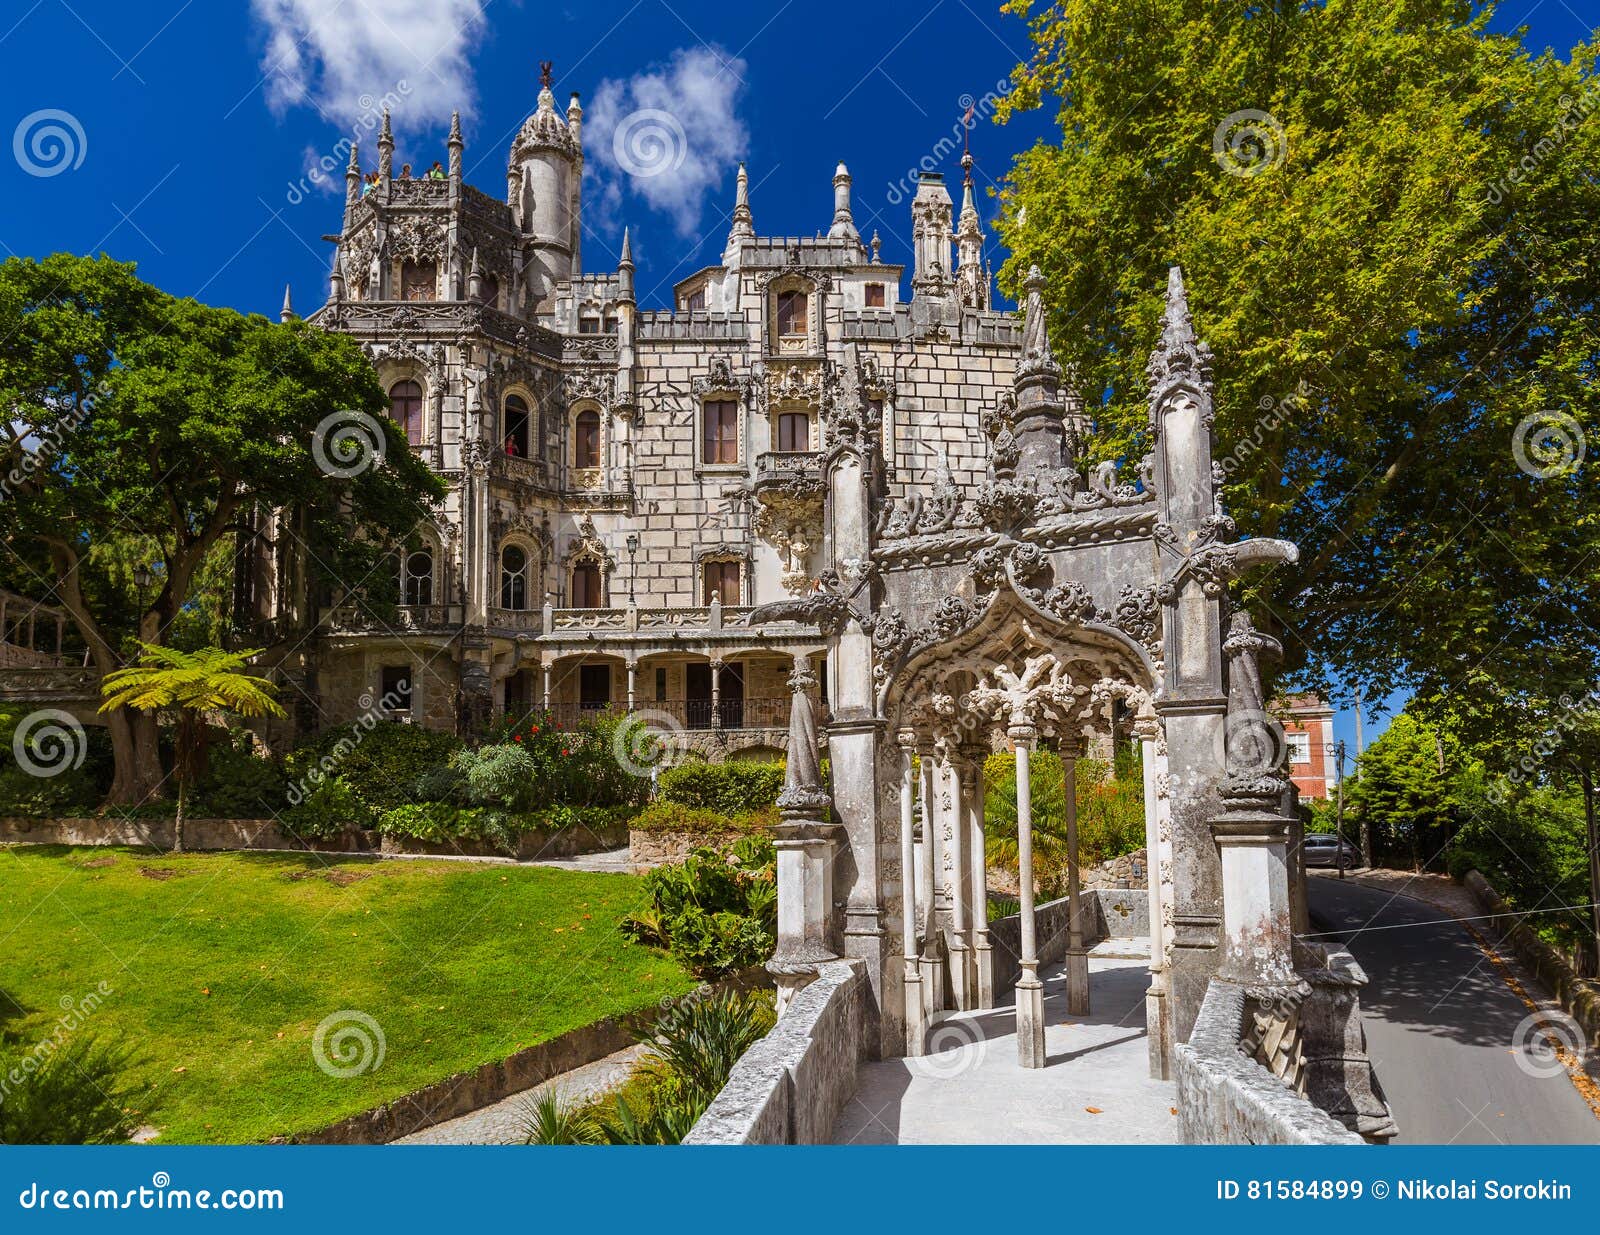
(1157, 1009)
(544, 674)
(633, 674)
(1077, 960)
(804, 839)
(932, 970)
(978, 880)
(716, 694)
(958, 869)
(915, 1012)
(1030, 991)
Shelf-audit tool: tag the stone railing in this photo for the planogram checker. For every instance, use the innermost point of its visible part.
(775, 466)
(626, 619)
(698, 324)
(407, 620)
(17, 656)
(1227, 1098)
(869, 324)
(514, 467)
(789, 1087)
(45, 685)
(523, 621)
(697, 714)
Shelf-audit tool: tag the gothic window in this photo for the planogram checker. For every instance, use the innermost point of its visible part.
(405, 409)
(794, 431)
(518, 422)
(589, 323)
(514, 577)
(720, 439)
(874, 298)
(586, 440)
(611, 323)
(416, 577)
(586, 588)
(695, 301)
(792, 313)
(418, 281)
(722, 582)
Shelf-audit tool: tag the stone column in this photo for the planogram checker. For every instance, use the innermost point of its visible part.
(544, 674)
(978, 880)
(716, 694)
(804, 839)
(916, 1013)
(1077, 966)
(633, 673)
(932, 971)
(1030, 991)
(1157, 1012)
(958, 868)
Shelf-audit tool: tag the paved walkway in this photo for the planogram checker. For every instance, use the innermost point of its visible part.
(505, 1123)
(1096, 1088)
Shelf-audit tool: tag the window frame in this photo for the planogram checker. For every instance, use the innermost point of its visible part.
(728, 435)
(591, 416)
(721, 565)
(419, 436)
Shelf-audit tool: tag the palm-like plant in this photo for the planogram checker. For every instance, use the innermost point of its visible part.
(192, 684)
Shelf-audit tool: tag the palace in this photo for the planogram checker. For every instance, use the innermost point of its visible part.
(626, 483)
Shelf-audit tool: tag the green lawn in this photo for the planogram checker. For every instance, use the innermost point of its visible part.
(221, 966)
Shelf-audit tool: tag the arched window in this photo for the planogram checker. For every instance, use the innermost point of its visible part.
(405, 409)
(721, 582)
(518, 424)
(513, 577)
(586, 440)
(586, 586)
(419, 281)
(794, 431)
(416, 577)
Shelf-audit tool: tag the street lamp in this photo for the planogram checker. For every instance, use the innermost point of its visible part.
(633, 547)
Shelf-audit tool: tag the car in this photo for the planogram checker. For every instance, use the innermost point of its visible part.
(1330, 849)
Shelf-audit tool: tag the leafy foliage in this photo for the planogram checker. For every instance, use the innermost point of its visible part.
(1405, 795)
(78, 1093)
(1407, 274)
(729, 788)
(1110, 814)
(665, 816)
(716, 911)
(238, 782)
(74, 791)
(332, 807)
(577, 764)
(388, 760)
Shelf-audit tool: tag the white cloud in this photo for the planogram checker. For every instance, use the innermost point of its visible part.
(670, 134)
(345, 57)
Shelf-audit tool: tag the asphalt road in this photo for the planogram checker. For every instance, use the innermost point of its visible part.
(1441, 1022)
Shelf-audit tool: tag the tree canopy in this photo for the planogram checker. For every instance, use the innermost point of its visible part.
(150, 430)
(1387, 219)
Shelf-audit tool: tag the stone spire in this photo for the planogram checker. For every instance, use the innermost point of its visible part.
(336, 277)
(352, 182)
(385, 151)
(625, 268)
(844, 226)
(971, 278)
(1038, 421)
(286, 314)
(455, 145)
(475, 278)
(743, 224)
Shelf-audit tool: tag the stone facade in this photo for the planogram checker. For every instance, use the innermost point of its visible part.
(626, 482)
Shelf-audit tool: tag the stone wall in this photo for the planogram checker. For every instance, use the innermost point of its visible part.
(1050, 928)
(790, 1087)
(1227, 1098)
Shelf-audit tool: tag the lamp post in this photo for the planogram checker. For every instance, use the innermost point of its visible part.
(633, 547)
(142, 578)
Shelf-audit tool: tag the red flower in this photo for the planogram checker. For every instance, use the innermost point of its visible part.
(566, 752)
(535, 729)
(516, 737)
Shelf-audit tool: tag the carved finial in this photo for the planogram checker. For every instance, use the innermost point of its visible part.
(844, 226)
(1179, 352)
(1177, 329)
(627, 250)
(877, 245)
(385, 133)
(287, 312)
(455, 128)
(546, 74)
(353, 167)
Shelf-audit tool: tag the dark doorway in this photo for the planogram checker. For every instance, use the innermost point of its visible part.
(697, 693)
(594, 687)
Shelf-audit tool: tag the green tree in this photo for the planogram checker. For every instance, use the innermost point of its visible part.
(1386, 216)
(1407, 793)
(145, 424)
(194, 684)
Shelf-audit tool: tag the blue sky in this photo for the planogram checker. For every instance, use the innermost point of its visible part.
(191, 125)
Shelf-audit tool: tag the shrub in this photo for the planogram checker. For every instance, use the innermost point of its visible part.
(729, 788)
(665, 816)
(239, 783)
(501, 775)
(332, 806)
(716, 911)
(391, 762)
(577, 764)
(75, 791)
(79, 1094)
(691, 1051)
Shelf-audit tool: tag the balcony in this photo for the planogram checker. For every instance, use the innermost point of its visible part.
(520, 621)
(779, 467)
(691, 714)
(697, 617)
(406, 620)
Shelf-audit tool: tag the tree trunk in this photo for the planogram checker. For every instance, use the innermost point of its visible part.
(177, 822)
(137, 776)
